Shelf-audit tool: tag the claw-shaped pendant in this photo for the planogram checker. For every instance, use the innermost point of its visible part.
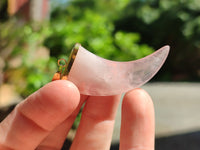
(97, 76)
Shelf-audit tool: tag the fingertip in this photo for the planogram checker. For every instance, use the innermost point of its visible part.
(137, 100)
(61, 90)
(51, 104)
(138, 92)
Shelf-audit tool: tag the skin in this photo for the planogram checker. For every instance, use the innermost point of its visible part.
(43, 120)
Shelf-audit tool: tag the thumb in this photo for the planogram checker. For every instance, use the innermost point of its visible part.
(33, 119)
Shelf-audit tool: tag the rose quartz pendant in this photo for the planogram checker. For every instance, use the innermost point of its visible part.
(97, 76)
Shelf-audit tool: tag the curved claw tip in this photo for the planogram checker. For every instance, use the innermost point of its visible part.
(166, 47)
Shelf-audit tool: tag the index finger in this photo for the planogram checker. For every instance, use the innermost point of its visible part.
(33, 119)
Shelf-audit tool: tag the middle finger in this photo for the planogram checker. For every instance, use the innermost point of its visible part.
(97, 123)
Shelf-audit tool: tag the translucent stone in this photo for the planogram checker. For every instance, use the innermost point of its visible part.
(97, 76)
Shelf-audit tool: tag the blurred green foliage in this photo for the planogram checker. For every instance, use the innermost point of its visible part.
(34, 47)
(120, 30)
(96, 33)
(28, 65)
(161, 22)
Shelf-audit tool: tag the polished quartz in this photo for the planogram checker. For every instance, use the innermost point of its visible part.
(97, 76)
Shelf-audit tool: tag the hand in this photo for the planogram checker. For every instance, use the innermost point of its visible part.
(44, 119)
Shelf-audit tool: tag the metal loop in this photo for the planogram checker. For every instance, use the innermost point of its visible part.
(61, 65)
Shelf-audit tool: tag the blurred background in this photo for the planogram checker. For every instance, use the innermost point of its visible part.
(34, 34)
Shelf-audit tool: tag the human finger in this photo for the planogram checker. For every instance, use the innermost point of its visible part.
(57, 137)
(97, 122)
(33, 119)
(137, 124)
